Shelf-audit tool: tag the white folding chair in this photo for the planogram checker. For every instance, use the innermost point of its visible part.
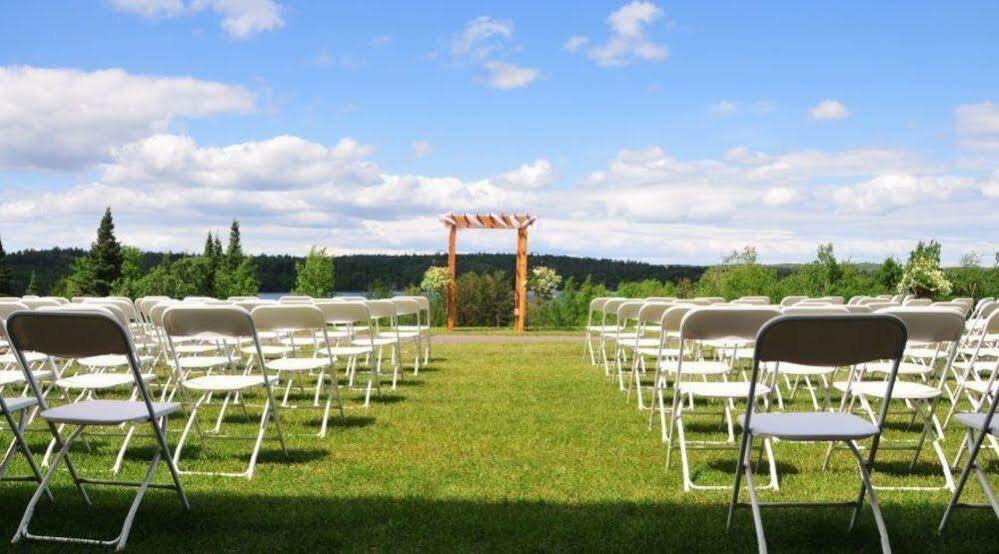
(78, 334)
(220, 323)
(293, 318)
(824, 340)
(978, 425)
(925, 325)
(593, 328)
(347, 316)
(422, 325)
(715, 323)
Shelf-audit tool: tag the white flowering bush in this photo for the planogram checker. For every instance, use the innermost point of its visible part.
(923, 278)
(434, 280)
(544, 281)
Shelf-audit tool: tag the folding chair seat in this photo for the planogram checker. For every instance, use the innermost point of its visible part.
(80, 333)
(220, 323)
(735, 323)
(821, 340)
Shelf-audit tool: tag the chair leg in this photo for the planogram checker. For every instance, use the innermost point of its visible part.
(974, 446)
(20, 444)
(43, 486)
(761, 539)
(875, 506)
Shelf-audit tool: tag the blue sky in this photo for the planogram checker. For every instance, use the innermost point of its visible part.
(670, 132)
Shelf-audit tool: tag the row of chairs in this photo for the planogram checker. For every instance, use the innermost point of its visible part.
(105, 356)
(908, 355)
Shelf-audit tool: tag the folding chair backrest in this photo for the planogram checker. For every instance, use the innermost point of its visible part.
(209, 321)
(351, 298)
(875, 306)
(406, 306)
(673, 316)
(858, 308)
(198, 299)
(792, 300)
(959, 307)
(8, 308)
(611, 305)
(989, 309)
(288, 317)
(711, 299)
(652, 312)
(111, 310)
(660, 299)
(292, 299)
(250, 304)
(831, 340)
(725, 322)
(827, 309)
(35, 303)
(345, 313)
(917, 302)
(57, 299)
(755, 300)
(929, 324)
(157, 310)
(381, 309)
(628, 311)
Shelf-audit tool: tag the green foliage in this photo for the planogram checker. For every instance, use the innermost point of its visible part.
(105, 259)
(646, 288)
(544, 281)
(6, 283)
(887, 276)
(131, 273)
(315, 275)
(568, 309)
(435, 280)
(32, 285)
(924, 278)
(739, 275)
(80, 281)
(241, 282)
(379, 288)
(485, 299)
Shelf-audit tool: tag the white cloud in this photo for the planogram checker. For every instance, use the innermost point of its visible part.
(829, 109)
(240, 18)
(151, 8)
(628, 40)
(481, 41)
(503, 75)
(67, 119)
(481, 37)
(534, 175)
(731, 107)
(421, 148)
(886, 192)
(574, 43)
(978, 125)
(289, 192)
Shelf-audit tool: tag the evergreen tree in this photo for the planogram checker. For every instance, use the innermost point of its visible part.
(6, 284)
(32, 289)
(105, 257)
(213, 260)
(234, 252)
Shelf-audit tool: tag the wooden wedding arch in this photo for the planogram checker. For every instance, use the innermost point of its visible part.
(517, 222)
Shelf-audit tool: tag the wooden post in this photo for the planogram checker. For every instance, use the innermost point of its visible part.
(520, 299)
(452, 282)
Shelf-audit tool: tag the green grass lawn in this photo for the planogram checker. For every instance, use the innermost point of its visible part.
(494, 447)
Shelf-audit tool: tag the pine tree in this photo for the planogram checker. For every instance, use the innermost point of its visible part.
(234, 252)
(105, 257)
(213, 259)
(6, 284)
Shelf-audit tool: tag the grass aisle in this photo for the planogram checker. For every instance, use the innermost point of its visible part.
(494, 447)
